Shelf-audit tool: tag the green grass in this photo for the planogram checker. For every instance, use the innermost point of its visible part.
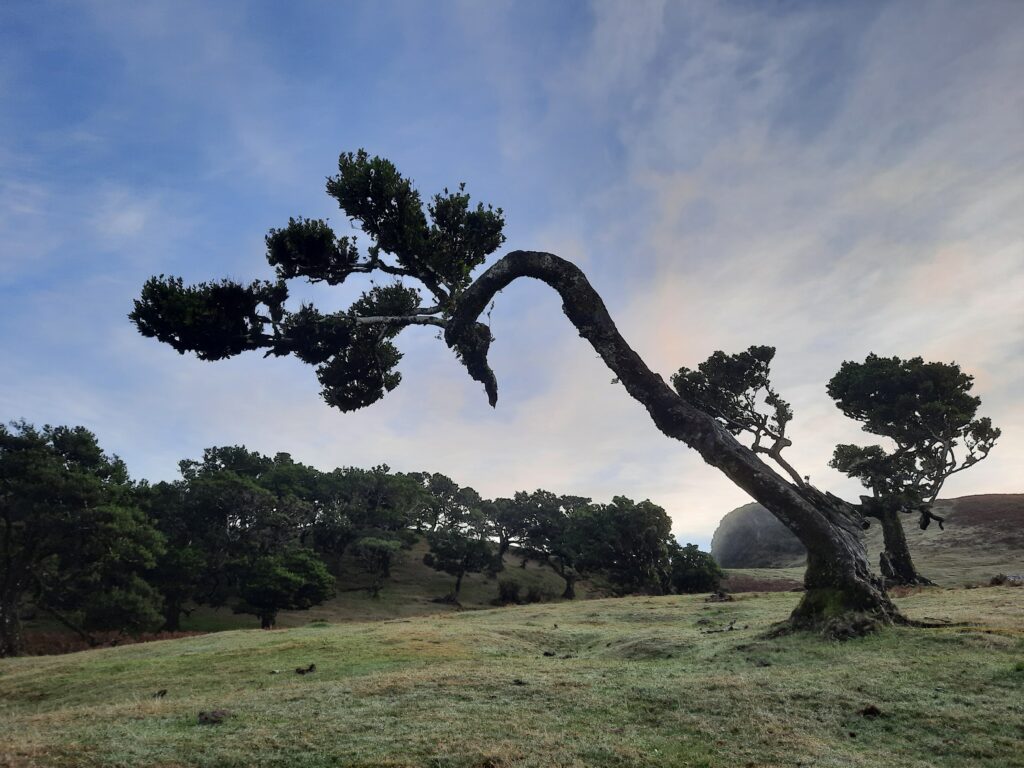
(632, 682)
(409, 592)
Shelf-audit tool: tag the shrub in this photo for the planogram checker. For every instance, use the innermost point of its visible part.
(535, 594)
(694, 571)
(508, 592)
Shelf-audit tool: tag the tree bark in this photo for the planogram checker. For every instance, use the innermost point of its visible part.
(172, 615)
(11, 639)
(842, 596)
(570, 586)
(458, 585)
(895, 562)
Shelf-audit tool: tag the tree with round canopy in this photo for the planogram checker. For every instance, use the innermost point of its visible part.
(927, 412)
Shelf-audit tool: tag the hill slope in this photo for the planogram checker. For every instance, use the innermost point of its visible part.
(629, 682)
(983, 536)
(411, 591)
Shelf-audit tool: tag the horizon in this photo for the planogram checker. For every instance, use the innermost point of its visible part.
(826, 180)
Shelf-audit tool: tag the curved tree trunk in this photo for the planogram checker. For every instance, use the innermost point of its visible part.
(842, 596)
(895, 562)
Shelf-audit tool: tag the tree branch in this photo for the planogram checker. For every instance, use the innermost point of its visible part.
(401, 320)
(675, 417)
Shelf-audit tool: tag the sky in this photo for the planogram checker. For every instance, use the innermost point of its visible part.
(832, 179)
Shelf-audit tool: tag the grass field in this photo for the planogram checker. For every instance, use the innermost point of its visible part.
(627, 682)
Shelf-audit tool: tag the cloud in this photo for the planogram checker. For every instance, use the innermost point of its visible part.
(824, 178)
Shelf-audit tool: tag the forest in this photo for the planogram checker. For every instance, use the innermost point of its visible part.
(100, 552)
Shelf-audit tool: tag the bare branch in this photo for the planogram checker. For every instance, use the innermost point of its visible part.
(401, 320)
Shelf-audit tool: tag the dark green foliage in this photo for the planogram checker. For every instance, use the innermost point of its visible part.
(629, 542)
(731, 387)
(355, 356)
(460, 546)
(74, 542)
(213, 320)
(535, 594)
(372, 192)
(442, 499)
(295, 579)
(511, 522)
(928, 413)
(694, 571)
(309, 248)
(461, 238)
(376, 556)
(235, 525)
(552, 533)
(508, 592)
(737, 391)
(362, 373)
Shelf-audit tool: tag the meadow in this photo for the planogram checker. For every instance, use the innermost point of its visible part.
(639, 681)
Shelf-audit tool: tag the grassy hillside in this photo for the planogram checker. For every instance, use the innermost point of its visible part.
(629, 682)
(410, 591)
(983, 536)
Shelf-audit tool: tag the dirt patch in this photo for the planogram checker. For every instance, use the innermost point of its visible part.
(738, 582)
(57, 642)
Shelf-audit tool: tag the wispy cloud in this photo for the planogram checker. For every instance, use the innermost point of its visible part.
(831, 179)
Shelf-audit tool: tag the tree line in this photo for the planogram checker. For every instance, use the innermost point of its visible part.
(85, 544)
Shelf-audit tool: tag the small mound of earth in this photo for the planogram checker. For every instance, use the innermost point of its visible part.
(645, 649)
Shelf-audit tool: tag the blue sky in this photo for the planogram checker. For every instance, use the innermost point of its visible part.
(829, 178)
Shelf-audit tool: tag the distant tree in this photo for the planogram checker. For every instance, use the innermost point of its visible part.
(185, 572)
(927, 412)
(510, 524)
(629, 542)
(442, 500)
(72, 540)
(552, 536)
(376, 556)
(460, 546)
(458, 551)
(435, 248)
(295, 579)
(240, 518)
(694, 570)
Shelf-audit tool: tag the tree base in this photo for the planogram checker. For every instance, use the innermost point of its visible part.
(900, 572)
(843, 613)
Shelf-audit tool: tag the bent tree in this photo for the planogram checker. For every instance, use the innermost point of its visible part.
(430, 254)
(927, 413)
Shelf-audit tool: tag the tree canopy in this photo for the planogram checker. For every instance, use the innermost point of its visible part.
(73, 540)
(927, 413)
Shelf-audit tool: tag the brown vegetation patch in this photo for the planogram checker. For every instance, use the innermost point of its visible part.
(57, 641)
(738, 582)
(1001, 511)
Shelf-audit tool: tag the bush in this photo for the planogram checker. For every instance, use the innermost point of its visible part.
(508, 592)
(535, 594)
(694, 571)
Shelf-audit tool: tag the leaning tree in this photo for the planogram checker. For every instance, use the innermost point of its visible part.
(430, 253)
(924, 409)
(928, 414)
